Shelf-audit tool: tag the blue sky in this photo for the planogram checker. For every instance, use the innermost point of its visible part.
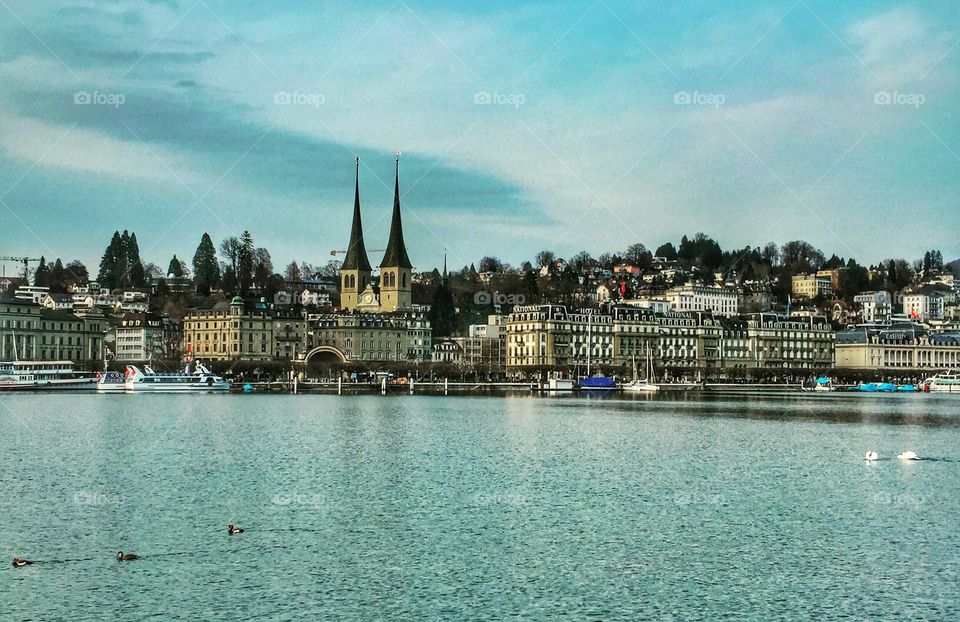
(570, 126)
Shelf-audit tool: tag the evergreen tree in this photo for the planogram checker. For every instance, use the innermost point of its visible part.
(206, 268)
(121, 269)
(58, 277)
(667, 251)
(108, 263)
(531, 287)
(41, 276)
(175, 269)
(246, 258)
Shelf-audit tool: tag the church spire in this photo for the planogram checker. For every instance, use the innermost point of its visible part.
(356, 258)
(396, 253)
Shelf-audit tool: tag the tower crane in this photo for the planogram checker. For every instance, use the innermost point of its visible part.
(24, 260)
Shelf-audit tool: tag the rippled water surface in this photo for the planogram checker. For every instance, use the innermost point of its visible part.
(355, 508)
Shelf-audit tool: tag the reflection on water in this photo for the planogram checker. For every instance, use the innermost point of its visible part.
(691, 506)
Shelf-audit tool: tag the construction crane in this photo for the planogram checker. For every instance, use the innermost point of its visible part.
(369, 250)
(24, 260)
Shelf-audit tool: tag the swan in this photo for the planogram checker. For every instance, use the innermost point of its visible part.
(908, 455)
(871, 456)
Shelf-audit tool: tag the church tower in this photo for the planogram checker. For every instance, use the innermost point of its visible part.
(395, 269)
(355, 271)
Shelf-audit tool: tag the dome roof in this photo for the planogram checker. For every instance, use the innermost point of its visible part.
(237, 300)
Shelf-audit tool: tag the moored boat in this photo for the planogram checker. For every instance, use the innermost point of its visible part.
(111, 382)
(42, 376)
(200, 379)
(945, 382)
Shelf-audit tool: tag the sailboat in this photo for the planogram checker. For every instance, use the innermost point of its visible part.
(646, 385)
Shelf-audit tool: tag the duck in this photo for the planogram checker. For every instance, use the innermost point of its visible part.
(871, 456)
(231, 529)
(19, 561)
(908, 455)
(126, 557)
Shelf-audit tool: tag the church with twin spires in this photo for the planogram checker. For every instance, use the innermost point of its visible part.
(356, 286)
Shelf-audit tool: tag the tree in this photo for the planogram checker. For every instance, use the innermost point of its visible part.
(108, 262)
(544, 258)
(530, 287)
(77, 272)
(262, 267)
(582, 261)
(245, 262)
(443, 312)
(668, 251)
(638, 255)
(491, 264)
(58, 277)
(329, 269)
(230, 251)
(206, 268)
(41, 276)
(292, 273)
(175, 269)
(136, 275)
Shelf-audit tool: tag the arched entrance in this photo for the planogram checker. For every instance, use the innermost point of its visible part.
(325, 354)
(323, 362)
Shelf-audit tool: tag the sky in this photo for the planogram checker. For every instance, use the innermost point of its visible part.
(522, 126)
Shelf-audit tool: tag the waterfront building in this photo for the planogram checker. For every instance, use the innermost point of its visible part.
(395, 281)
(809, 286)
(689, 339)
(144, 337)
(447, 351)
(635, 329)
(242, 330)
(385, 337)
(485, 345)
(897, 347)
(31, 332)
(548, 335)
(778, 341)
(721, 301)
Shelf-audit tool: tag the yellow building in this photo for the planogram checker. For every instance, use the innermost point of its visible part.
(253, 332)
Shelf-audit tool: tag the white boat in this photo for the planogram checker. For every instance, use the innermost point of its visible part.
(646, 385)
(945, 382)
(42, 376)
(200, 379)
(111, 382)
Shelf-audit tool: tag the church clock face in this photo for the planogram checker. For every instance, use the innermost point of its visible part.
(367, 298)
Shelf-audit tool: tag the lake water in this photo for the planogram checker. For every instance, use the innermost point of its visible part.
(370, 507)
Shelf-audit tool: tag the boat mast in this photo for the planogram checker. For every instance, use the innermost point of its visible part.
(589, 333)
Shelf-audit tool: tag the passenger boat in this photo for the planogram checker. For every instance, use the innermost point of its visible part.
(42, 376)
(111, 382)
(200, 379)
(945, 382)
